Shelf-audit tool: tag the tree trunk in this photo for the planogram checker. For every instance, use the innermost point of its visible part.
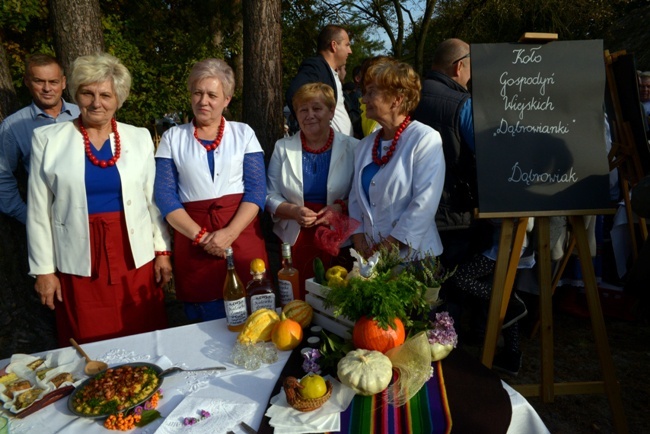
(77, 29)
(263, 75)
(8, 99)
(238, 56)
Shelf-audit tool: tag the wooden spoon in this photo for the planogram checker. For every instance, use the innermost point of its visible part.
(92, 366)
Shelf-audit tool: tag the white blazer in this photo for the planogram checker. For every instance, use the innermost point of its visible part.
(405, 193)
(58, 232)
(285, 182)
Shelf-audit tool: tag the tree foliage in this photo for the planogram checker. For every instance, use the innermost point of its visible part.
(159, 40)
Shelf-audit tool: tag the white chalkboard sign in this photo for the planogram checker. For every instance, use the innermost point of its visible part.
(539, 128)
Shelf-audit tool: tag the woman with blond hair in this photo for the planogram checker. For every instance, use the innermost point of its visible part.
(309, 173)
(98, 245)
(210, 186)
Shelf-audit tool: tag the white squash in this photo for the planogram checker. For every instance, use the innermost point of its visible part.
(364, 371)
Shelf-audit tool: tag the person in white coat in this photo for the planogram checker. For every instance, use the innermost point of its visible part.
(98, 246)
(309, 173)
(399, 170)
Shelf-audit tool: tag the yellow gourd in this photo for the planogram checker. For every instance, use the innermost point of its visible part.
(258, 327)
(299, 311)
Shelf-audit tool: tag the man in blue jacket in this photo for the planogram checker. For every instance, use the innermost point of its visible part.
(333, 51)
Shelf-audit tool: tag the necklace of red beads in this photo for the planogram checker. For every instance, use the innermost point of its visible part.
(375, 149)
(101, 163)
(328, 144)
(215, 144)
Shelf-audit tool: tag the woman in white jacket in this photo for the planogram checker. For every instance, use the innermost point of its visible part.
(399, 170)
(97, 243)
(309, 173)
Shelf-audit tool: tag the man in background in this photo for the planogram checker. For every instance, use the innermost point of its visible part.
(333, 51)
(446, 106)
(45, 80)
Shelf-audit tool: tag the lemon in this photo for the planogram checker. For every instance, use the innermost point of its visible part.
(258, 266)
(313, 386)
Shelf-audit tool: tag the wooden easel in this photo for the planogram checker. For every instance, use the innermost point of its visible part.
(513, 231)
(511, 241)
(624, 155)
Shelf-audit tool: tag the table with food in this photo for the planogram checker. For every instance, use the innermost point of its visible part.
(307, 366)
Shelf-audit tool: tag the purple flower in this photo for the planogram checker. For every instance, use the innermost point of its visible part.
(310, 365)
(190, 421)
(204, 414)
(148, 406)
(443, 331)
(138, 409)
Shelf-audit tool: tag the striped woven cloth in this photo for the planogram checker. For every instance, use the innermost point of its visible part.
(426, 412)
(463, 397)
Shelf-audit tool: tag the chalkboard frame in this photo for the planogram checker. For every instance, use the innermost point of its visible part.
(567, 57)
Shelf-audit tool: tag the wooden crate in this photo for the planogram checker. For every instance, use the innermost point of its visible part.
(324, 317)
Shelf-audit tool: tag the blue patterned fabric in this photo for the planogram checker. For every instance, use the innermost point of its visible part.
(165, 186)
(315, 168)
(254, 179)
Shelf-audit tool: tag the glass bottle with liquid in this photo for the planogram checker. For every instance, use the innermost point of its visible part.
(234, 296)
(288, 278)
(259, 291)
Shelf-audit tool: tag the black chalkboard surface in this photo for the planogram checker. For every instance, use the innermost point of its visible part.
(539, 128)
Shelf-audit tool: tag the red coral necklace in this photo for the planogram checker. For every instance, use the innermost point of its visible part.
(101, 163)
(375, 149)
(215, 144)
(328, 144)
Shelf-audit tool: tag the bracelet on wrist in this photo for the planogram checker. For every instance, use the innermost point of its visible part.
(197, 238)
(344, 206)
(163, 253)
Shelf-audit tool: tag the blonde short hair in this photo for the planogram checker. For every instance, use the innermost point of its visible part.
(97, 68)
(310, 91)
(396, 78)
(213, 68)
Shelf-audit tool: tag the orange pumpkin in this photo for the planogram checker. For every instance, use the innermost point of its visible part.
(368, 335)
(286, 334)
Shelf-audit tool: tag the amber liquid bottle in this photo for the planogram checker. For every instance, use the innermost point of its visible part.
(288, 278)
(259, 291)
(234, 296)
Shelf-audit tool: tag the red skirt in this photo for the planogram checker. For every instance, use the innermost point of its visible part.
(118, 299)
(199, 276)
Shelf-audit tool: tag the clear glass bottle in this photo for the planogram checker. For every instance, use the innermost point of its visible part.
(288, 278)
(234, 296)
(259, 291)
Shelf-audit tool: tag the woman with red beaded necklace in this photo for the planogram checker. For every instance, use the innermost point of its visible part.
(98, 245)
(399, 170)
(308, 174)
(210, 186)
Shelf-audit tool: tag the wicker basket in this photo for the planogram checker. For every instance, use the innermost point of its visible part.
(291, 389)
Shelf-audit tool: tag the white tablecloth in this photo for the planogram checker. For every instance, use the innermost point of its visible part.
(195, 346)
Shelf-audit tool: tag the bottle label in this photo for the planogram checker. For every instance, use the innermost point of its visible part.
(286, 291)
(262, 301)
(236, 311)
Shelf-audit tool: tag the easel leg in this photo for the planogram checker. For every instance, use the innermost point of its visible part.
(612, 388)
(542, 225)
(504, 277)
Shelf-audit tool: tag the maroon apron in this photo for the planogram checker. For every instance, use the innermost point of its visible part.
(118, 299)
(304, 251)
(198, 275)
